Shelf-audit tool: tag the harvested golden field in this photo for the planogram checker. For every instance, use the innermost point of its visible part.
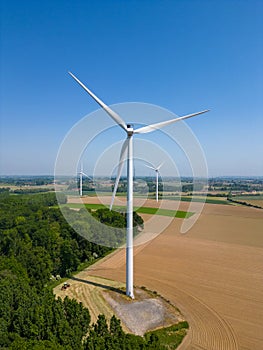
(88, 292)
(213, 274)
(258, 202)
(255, 202)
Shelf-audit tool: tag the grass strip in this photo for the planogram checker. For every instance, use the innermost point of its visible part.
(170, 337)
(164, 212)
(143, 210)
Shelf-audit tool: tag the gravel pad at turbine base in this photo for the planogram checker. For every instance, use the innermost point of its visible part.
(144, 313)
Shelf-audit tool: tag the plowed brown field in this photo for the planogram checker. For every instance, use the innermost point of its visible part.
(213, 274)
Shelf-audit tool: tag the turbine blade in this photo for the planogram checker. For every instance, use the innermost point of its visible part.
(120, 167)
(150, 167)
(153, 127)
(106, 108)
(86, 175)
(159, 167)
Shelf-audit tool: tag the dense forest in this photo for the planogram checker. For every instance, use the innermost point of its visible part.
(36, 243)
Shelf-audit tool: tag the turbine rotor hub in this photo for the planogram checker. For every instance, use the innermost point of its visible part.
(130, 129)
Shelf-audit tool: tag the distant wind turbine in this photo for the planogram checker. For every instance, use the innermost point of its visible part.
(157, 178)
(127, 147)
(81, 174)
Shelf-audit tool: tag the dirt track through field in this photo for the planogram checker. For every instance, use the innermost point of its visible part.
(213, 274)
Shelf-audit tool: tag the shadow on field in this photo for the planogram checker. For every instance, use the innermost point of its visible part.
(96, 284)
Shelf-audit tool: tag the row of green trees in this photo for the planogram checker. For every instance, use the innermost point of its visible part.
(34, 231)
(32, 318)
(26, 180)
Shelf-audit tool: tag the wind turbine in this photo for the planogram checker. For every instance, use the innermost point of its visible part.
(157, 178)
(128, 147)
(81, 174)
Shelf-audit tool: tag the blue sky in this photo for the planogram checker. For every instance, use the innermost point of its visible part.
(181, 55)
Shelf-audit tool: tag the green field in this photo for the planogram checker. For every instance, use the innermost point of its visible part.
(164, 212)
(142, 210)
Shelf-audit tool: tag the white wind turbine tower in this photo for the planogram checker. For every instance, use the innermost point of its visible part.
(128, 147)
(81, 174)
(157, 178)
